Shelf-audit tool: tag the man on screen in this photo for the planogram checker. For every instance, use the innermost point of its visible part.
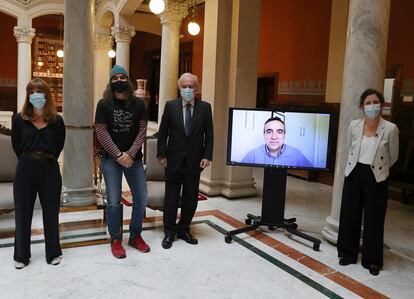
(275, 151)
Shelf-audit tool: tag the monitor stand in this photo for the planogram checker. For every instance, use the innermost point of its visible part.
(273, 209)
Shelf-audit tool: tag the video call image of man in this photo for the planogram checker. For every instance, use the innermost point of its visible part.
(274, 151)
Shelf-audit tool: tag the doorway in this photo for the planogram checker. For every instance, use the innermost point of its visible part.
(266, 90)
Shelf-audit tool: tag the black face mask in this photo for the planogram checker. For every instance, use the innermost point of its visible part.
(119, 86)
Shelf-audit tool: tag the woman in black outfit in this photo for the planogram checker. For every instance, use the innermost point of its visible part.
(372, 150)
(38, 135)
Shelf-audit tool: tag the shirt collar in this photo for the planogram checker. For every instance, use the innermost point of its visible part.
(184, 103)
(282, 150)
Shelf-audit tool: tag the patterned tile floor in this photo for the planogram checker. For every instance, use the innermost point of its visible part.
(257, 264)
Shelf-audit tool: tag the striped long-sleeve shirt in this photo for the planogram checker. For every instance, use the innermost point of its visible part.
(120, 128)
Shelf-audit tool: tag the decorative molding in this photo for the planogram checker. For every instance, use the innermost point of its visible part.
(103, 41)
(24, 34)
(301, 87)
(174, 12)
(123, 33)
(99, 3)
(7, 82)
(26, 2)
(318, 88)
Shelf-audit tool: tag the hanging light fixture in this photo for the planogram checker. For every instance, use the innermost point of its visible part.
(111, 53)
(60, 52)
(39, 61)
(193, 28)
(157, 6)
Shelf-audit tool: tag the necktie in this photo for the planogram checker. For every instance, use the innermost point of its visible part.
(187, 119)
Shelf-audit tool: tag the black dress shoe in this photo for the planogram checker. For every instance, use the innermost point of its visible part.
(167, 242)
(344, 261)
(188, 238)
(374, 269)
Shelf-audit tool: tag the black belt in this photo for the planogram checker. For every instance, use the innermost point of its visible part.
(38, 154)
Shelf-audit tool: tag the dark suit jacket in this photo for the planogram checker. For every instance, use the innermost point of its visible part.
(173, 143)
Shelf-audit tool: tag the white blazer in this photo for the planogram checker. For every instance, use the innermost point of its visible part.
(386, 147)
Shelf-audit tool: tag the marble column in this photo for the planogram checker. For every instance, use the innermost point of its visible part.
(170, 45)
(123, 35)
(78, 80)
(230, 61)
(337, 42)
(24, 37)
(103, 43)
(365, 63)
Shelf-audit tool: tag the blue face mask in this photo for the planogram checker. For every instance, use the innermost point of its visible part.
(38, 100)
(187, 94)
(372, 110)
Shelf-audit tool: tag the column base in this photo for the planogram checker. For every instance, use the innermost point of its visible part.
(330, 232)
(228, 189)
(81, 197)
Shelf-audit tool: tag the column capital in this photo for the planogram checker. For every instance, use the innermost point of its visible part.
(123, 33)
(103, 41)
(174, 12)
(24, 34)
(25, 2)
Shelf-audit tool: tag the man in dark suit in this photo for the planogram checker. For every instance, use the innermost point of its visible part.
(185, 148)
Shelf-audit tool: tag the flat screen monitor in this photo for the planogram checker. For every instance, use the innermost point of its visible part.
(280, 139)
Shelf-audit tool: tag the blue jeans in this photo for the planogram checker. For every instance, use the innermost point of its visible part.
(136, 179)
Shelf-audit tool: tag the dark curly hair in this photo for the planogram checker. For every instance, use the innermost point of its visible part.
(368, 92)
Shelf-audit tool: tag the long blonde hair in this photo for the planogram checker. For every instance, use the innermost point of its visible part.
(49, 110)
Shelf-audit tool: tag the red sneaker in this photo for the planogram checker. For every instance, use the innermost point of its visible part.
(139, 244)
(117, 250)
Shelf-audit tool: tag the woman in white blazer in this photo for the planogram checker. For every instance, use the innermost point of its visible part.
(373, 149)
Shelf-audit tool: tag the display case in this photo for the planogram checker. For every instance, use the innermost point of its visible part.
(48, 66)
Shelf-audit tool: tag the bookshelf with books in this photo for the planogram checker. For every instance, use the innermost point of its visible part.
(48, 66)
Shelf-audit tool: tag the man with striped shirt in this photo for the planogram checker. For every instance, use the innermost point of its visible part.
(121, 125)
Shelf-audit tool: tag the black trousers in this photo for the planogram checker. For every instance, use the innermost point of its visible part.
(362, 195)
(36, 176)
(189, 182)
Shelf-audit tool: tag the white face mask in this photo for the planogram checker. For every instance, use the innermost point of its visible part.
(187, 94)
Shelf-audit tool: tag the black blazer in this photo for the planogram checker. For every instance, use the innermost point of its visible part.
(173, 143)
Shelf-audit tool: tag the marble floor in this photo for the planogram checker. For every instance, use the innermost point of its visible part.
(258, 264)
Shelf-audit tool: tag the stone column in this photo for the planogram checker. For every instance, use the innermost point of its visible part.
(123, 35)
(337, 42)
(365, 63)
(103, 43)
(78, 80)
(230, 59)
(170, 45)
(24, 37)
